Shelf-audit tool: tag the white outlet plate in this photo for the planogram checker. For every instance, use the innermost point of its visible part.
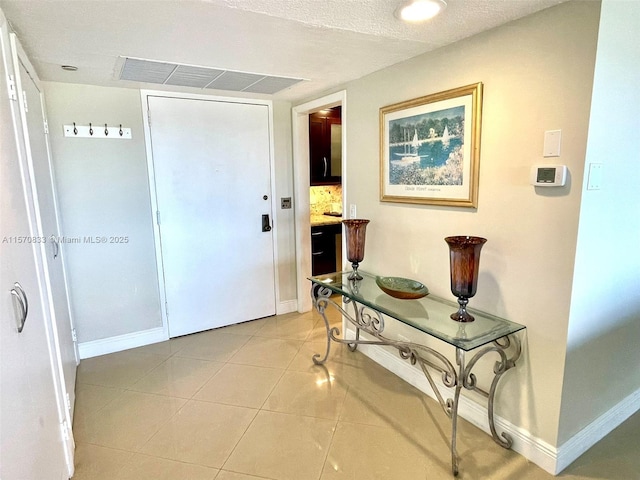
(352, 211)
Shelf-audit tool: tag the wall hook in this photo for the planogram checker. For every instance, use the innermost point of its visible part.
(100, 130)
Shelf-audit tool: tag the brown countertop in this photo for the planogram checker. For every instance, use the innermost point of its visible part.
(320, 220)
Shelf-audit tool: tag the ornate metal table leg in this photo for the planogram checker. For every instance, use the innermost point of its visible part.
(353, 346)
(370, 322)
(454, 411)
(466, 379)
(454, 428)
(320, 296)
(505, 363)
(499, 369)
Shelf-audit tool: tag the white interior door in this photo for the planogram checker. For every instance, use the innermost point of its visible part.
(38, 153)
(32, 444)
(211, 162)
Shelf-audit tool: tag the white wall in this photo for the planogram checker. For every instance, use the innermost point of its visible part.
(537, 74)
(604, 328)
(104, 190)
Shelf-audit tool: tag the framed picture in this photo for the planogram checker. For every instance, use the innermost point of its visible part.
(430, 148)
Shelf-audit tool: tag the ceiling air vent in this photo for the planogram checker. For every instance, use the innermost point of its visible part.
(150, 71)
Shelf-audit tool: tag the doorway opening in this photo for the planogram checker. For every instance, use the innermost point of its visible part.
(303, 182)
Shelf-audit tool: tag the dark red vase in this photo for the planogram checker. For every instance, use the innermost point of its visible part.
(355, 230)
(464, 261)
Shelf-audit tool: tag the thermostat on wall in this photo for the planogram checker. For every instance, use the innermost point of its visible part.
(548, 175)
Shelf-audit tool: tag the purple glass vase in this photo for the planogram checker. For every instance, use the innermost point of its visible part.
(464, 260)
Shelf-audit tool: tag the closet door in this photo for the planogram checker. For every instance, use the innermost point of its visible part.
(33, 444)
(37, 149)
(212, 168)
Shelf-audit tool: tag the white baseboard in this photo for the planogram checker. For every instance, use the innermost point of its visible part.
(147, 337)
(121, 342)
(597, 430)
(543, 454)
(287, 306)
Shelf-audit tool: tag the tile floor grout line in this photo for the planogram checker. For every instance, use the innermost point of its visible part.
(326, 456)
(104, 446)
(184, 462)
(162, 424)
(239, 440)
(272, 389)
(207, 381)
(258, 477)
(241, 436)
(335, 429)
(192, 463)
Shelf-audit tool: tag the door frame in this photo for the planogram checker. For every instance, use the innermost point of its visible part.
(301, 184)
(144, 95)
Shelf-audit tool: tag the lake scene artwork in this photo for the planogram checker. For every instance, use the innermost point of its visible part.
(427, 149)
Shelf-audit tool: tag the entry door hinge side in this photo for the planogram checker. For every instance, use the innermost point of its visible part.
(68, 402)
(74, 335)
(11, 87)
(24, 100)
(46, 127)
(158, 217)
(149, 117)
(166, 309)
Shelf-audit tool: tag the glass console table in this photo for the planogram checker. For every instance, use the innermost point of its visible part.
(430, 315)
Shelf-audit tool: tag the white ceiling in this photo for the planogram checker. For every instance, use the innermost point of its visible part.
(326, 42)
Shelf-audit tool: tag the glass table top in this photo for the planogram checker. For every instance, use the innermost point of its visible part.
(429, 314)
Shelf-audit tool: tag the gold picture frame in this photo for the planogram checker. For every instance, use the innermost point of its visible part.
(430, 148)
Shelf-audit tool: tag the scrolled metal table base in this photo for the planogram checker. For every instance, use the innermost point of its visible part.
(460, 376)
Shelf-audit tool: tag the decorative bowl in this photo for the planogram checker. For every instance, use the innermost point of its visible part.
(402, 288)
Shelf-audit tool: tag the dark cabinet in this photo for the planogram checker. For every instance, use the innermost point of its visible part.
(323, 248)
(325, 146)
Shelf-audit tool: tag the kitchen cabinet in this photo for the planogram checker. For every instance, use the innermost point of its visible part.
(325, 146)
(323, 248)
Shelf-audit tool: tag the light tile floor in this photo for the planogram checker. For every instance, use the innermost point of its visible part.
(245, 402)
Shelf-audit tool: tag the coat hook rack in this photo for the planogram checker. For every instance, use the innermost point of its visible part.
(88, 131)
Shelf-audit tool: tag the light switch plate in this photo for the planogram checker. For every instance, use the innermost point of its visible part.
(552, 141)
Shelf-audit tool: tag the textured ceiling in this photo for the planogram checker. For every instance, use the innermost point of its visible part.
(326, 42)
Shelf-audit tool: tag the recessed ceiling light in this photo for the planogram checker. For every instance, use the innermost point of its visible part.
(69, 68)
(420, 10)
